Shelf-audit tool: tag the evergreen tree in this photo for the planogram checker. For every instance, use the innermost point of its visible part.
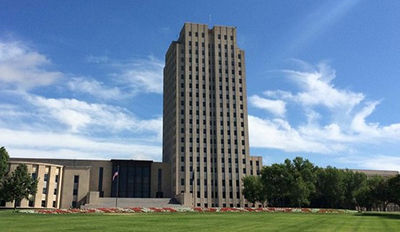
(19, 185)
(4, 157)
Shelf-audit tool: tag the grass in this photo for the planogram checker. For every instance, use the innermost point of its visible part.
(10, 221)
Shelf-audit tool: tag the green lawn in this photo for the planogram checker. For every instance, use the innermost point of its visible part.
(10, 221)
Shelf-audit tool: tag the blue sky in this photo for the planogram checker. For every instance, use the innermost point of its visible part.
(83, 79)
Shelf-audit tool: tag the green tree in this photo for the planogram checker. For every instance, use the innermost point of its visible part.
(353, 181)
(252, 189)
(393, 187)
(276, 184)
(299, 193)
(330, 188)
(19, 185)
(302, 181)
(368, 195)
(4, 157)
(261, 194)
(290, 183)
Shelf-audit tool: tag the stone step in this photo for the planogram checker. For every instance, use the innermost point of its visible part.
(134, 202)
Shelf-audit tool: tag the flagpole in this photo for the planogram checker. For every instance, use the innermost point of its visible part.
(116, 199)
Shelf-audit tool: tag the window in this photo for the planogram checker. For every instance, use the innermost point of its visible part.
(76, 179)
(75, 192)
(100, 185)
(43, 203)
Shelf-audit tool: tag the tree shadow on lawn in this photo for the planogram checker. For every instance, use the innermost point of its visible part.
(383, 215)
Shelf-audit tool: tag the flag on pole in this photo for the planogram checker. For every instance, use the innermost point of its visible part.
(115, 175)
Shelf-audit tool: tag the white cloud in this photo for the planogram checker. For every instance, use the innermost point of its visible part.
(70, 128)
(142, 75)
(374, 130)
(97, 59)
(95, 88)
(22, 143)
(277, 107)
(375, 162)
(279, 134)
(382, 162)
(22, 66)
(42, 126)
(317, 89)
(128, 78)
(278, 94)
(79, 115)
(336, 118)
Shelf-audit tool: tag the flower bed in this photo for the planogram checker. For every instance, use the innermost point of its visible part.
(183, 209)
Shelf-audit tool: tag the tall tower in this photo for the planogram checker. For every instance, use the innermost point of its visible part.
(205, 129)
